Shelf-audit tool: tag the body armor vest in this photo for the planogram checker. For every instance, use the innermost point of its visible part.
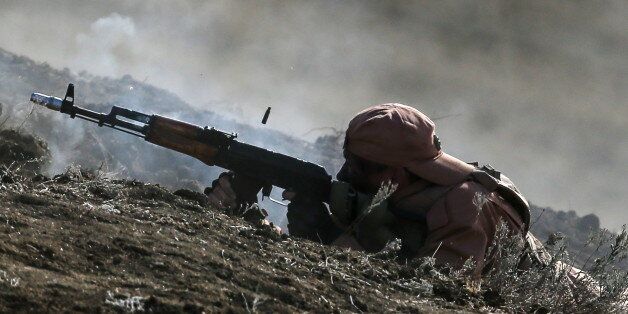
(489, 178)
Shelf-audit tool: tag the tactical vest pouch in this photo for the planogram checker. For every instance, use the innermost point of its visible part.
(494, 181)
(370, 223)
(342, 202)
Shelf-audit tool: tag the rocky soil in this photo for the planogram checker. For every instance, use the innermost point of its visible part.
(81, 242)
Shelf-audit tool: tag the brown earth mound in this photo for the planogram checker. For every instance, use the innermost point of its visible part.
(78, 242)
(22, 151)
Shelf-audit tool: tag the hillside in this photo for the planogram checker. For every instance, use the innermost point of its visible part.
(576, 231)
(84, 242)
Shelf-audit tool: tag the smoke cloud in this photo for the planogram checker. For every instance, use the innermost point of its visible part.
(107, 47)
(536, 88)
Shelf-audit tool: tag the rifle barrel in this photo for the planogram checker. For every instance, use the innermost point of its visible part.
(109, 120)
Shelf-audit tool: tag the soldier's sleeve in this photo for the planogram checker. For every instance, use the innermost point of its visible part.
(457, 228)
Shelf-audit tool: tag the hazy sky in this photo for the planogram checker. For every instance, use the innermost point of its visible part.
(539, 89)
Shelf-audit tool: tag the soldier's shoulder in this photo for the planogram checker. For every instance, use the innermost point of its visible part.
(465, 200)
(466, 190)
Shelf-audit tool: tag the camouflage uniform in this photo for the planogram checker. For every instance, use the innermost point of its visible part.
(453, 212)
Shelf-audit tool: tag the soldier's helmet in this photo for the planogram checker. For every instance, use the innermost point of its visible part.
(399, 135)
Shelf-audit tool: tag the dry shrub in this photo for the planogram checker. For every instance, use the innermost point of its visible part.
(550, 284)
(20, 151)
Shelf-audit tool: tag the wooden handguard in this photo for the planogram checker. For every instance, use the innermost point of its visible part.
(180, 136)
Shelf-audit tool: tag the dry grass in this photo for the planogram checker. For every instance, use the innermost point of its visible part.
(545, 287)
(551, 284)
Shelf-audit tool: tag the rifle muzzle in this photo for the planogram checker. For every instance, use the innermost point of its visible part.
(49, 102)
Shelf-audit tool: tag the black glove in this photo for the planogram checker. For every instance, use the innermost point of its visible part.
(233, 190)
(311, 220)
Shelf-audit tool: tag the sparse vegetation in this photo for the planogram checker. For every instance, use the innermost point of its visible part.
(147, 248)
(550, 284)
(160, 251)
(7, 280)
(23, 152)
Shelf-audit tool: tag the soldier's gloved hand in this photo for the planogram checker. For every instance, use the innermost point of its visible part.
(310, 220)
(232, 190)
(371, 223)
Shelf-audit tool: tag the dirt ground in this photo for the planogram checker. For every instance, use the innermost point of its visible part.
(22, 152)
(78, 242)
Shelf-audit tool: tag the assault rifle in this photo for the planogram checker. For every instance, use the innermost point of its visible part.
(207, 144)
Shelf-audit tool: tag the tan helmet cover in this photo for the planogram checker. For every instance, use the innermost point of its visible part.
(399, 135)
